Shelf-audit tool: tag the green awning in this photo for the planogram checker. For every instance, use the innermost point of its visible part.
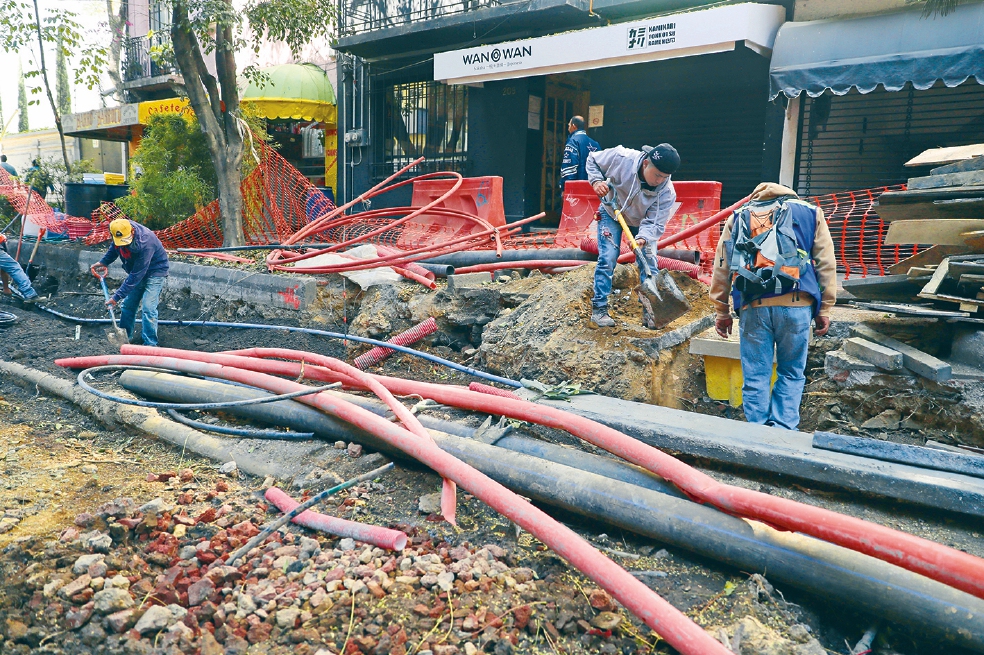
(293, 91)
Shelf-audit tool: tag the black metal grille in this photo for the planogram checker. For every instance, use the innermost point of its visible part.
(147, 57)
(428, 119)
(360, 16)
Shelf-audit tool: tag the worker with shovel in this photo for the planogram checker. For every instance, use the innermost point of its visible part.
(645, 195)
(145, 262)
(776, 261)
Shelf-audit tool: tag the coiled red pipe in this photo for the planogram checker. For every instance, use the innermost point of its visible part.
(370, 534)
(722, 215)
(409, 337)
(941, 563)
(671, 624)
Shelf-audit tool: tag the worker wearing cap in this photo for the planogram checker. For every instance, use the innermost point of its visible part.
(646, 195)
(145, 262)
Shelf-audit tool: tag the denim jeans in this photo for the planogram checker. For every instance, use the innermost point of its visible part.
(787, 331)
(10, 266)
(609, 245)
(148, 294)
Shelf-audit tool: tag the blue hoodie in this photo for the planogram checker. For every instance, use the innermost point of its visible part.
(144, 257)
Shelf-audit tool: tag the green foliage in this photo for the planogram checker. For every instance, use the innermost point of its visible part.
(22, 123)
(63, 87)
(939, 7)
(172, 172)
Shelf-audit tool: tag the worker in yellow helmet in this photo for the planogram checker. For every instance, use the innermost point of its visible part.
(145, 261)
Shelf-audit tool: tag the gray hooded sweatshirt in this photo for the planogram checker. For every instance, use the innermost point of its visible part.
(647, 210)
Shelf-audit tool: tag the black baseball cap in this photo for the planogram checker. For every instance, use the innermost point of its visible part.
(665, 158)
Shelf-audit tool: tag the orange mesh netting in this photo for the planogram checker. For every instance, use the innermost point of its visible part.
(277, 202)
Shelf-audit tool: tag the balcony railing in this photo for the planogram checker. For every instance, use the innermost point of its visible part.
(145, 57)
(360, 16)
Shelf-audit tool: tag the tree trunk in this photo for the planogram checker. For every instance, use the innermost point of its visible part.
(47, 88)
(117, 26)
(216, 112)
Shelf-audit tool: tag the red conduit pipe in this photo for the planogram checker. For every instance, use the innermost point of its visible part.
(722, 215)
(671, 624)
(492, 391)
(370, 534)
(415, 276)
(409, 337)
(590, 245)
(412, 266)
(933, 560)
(425, 252)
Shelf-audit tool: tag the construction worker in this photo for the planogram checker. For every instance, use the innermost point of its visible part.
(579, 145)
(645, 192)
(146, 264)
(7, 167)
(10, 267)
(778, 290)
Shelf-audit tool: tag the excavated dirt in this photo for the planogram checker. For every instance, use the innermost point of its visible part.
(548, 337)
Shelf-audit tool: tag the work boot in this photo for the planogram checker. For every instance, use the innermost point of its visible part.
(602, 319)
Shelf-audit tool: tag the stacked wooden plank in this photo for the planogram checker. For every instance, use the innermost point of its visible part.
(945, 208)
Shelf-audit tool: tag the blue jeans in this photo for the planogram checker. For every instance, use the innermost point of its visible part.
(787, 331)
(10, 266)
(609, 245)
(147, 293)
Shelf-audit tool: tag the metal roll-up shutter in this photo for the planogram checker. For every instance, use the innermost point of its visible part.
(719, 136)
(860, 141)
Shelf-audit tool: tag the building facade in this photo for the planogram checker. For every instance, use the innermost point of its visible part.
(486, 88)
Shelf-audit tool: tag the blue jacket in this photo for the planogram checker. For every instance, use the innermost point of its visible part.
(144, 257)
(579, 145)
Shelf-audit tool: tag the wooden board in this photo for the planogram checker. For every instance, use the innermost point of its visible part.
(942, 233)
(884, 287)
(939, 209)
(922, 195)
(974, 240)
(972, 280)
(975, 164)
(939, 275)
(967, 178)
(956, 269)
(929, 257)
(966, 304)
(937, 156)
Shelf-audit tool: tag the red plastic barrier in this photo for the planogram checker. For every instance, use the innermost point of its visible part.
(477, 196)
(578, 212)
(370, 534)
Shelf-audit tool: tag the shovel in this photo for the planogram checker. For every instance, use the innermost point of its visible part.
(117, 336)
(32, 270)
(661, 299)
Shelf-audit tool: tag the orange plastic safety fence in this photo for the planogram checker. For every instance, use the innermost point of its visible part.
(859, 234)
(277, 202)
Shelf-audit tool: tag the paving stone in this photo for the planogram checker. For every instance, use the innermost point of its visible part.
(881, 356)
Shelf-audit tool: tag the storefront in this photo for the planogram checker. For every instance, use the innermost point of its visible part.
(298, 102)
(698, 80)
(868, 94)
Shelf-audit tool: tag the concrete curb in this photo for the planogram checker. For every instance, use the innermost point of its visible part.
(208, 282)
(279, 462)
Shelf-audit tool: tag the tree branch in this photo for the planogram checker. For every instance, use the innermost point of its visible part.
(185, 47)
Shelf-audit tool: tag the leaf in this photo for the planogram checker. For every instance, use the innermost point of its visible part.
(729, 588)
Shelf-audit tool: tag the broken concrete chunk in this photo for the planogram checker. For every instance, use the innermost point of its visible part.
(912, 358)
(430, 504)
(877, 354)
(227, 468)
(887, 420)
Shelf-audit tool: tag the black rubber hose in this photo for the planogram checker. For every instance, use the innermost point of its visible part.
(476, 257)
(848, 577)
(249, 433)
(302, 417)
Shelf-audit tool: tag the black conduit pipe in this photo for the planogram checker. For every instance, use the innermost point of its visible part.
(476, 257)
(872, 586)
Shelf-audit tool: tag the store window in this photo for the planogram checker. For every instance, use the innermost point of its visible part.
(425, 119)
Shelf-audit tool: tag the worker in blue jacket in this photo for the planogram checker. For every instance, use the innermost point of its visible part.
(145, 262)
(579, 145)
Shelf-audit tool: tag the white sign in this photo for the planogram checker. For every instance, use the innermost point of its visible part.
(596, 116)
(664, 37)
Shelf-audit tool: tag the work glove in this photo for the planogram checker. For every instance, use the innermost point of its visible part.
(722, 325)
(823, 325)
(95, 269)
(112, 303)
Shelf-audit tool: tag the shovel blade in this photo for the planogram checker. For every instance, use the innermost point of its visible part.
(661, 299)
(117, 336)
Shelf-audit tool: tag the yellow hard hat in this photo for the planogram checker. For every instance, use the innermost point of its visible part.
(122, 231)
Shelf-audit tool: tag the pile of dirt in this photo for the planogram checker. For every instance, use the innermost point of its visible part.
(548, 337)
